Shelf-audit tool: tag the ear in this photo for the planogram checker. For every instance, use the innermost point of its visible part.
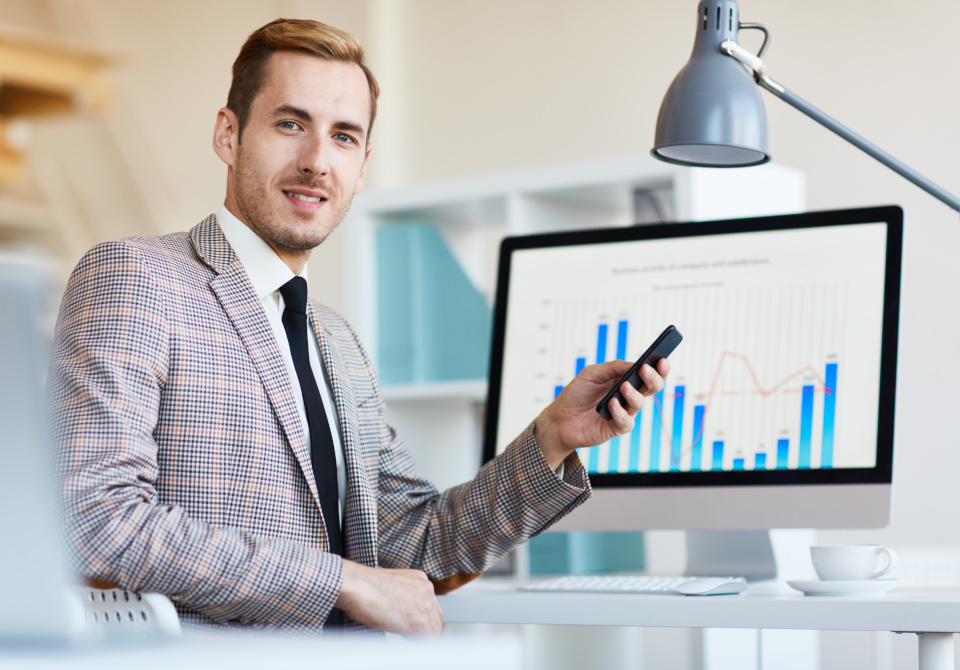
(226, 136)
(363, 171)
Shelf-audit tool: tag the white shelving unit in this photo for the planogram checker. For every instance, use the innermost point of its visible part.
(443, 423)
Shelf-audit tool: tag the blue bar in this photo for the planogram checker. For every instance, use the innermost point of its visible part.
(557, 389)
(581, 364)
(738, 464)
(633, 465)
(655, 438)
(622, 340)
(593, 466)
(829, 409)
(760, 463)
(678, 396)
(602, 343)
(783, 454)
(806, 426)
(696, 456)
(613, 455)
(717, 455)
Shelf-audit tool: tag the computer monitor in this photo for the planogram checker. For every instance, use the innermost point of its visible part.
(779, 408)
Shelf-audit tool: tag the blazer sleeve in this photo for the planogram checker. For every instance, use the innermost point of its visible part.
(456, 535)
(108, 372)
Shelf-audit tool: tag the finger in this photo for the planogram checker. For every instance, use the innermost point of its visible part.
(622, 421)
(652, 382)
(633, 397)
(663, 367)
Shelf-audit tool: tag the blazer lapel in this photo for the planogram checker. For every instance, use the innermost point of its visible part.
(360, 509)
(242, 306)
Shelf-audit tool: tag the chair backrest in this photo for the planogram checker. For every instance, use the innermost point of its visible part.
(121, 612)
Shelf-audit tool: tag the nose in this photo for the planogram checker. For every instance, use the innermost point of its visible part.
(313, 158)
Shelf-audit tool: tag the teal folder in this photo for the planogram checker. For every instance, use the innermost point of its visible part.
(433, 323)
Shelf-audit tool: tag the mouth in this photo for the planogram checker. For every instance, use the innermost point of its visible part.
(305, 199)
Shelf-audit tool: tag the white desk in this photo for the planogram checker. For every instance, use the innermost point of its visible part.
(253, 650)
(933, 615)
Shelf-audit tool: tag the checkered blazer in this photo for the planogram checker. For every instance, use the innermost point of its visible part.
(184, 466)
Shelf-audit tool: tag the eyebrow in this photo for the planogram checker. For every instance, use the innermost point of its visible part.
(304, 115)
(290, 110)
(352, 127)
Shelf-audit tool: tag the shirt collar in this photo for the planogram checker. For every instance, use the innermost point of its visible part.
(267, 272)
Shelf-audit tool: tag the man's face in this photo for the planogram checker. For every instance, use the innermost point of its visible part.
(303, 153)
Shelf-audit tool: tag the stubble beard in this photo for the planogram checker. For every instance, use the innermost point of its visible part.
(253, 200)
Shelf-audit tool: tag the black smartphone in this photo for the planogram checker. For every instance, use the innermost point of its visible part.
(662, 347)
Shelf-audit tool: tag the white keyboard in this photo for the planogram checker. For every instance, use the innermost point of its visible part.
(640, 584)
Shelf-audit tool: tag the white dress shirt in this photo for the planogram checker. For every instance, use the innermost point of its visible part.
(268, 273)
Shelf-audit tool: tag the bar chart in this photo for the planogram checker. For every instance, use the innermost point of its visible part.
(756, 384)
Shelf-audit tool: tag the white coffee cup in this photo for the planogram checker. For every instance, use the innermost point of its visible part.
(852, 563)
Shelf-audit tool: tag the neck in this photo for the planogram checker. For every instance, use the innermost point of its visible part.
(294, 259)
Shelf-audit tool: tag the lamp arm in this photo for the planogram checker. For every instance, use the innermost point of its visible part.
(753, 62)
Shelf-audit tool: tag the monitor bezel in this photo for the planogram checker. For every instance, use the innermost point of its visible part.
(881, 473)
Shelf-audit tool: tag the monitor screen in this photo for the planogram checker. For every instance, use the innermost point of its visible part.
(786, 372)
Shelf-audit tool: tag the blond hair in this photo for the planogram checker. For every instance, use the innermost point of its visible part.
(304, 36)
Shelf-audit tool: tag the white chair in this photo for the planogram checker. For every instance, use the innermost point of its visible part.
(121, 612)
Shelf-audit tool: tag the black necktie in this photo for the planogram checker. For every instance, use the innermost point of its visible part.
(322, 455)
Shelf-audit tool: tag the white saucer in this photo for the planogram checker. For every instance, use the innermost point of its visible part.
(816, 587)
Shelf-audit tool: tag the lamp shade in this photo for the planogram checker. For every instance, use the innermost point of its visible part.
(712, 114)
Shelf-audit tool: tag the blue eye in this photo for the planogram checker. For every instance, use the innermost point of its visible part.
(340, 137)
(289, 125)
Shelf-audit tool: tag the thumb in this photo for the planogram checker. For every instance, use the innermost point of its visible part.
(609, 371)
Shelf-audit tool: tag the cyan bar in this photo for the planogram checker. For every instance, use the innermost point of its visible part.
(622, 340)
(602, 343)
(557, 389)
(593, 465)
(581, 363)
(783, 454)
(655, 431)
(679, 394)
(717, 455)
(696, 454)
(760, 462)
(806, 426)
(738, 464)
(633, 463)
(829, 409)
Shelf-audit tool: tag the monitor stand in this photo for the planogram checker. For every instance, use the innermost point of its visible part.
(735, 553)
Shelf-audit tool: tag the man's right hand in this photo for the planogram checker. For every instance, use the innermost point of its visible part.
(396, 601)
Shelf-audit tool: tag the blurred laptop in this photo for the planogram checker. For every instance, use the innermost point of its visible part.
(33, 603)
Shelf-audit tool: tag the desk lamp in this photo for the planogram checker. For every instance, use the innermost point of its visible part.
(713, 115)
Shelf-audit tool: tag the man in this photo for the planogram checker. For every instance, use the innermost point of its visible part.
(213, 452)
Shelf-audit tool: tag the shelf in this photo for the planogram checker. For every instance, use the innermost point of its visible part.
(470, 389)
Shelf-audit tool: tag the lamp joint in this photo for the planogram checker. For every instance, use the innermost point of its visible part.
(753, 63)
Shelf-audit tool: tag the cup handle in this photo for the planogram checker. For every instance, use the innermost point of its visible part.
(891, 562)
